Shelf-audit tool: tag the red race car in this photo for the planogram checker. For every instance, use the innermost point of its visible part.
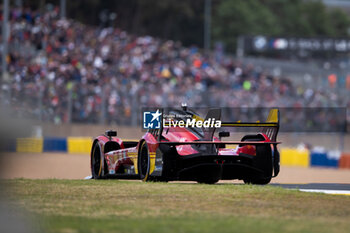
(172, 152)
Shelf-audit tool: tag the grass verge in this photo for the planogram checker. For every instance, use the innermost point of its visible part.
(131, 206)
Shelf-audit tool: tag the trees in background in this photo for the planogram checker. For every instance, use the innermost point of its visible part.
(277, 18)
(183, 20)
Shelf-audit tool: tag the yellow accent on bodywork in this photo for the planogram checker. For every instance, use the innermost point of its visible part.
(152, 156)
(136, 168)
(134, 156)
(273, 116)
(197, 118)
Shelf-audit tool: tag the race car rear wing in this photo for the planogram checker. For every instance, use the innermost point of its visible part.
(218, 142)
(269, 128)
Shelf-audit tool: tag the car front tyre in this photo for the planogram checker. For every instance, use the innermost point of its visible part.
(98, 164)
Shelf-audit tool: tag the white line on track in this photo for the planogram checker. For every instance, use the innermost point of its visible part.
(335, 192)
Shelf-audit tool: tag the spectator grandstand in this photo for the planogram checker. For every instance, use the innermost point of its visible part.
(64, 71)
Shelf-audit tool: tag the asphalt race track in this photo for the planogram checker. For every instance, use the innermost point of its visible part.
(68, 166)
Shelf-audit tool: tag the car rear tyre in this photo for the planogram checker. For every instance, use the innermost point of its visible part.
(262, 161)
(207, 181)
(144, 162)
(257, 181)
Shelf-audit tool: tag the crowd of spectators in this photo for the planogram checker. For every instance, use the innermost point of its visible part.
(64, 71)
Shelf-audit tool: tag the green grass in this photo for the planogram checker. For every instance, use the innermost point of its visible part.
(128, 206)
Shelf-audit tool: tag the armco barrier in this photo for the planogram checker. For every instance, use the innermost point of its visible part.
(79, 145)
(82, 145)
(8, 144)
(323, 159)
(344, 161)
(55, 144)
(295, 157)
(32, 145)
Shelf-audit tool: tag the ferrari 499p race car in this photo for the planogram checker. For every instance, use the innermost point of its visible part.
(190, 154)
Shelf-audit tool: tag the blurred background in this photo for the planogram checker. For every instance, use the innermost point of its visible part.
(75, 68)
(70, 70)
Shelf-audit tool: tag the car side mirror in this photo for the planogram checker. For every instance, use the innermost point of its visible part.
(111, 133)
(224, 134)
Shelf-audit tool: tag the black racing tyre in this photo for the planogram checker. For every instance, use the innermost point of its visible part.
(257, 181)
(262, 161)
(143, 162)
(207, 181)
(98, 163)
(158, 179)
